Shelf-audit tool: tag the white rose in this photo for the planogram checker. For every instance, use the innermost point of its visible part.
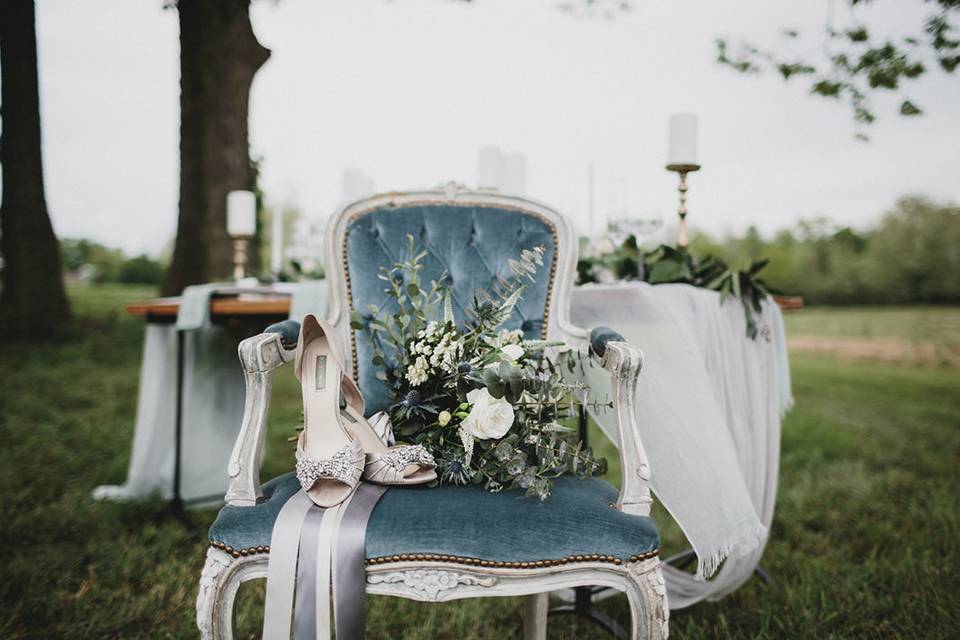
(489, 417)
(512, 352)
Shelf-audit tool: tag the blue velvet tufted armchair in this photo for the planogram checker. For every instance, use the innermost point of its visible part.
(445, 543)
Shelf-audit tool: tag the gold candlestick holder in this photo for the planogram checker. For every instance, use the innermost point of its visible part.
(683, 169)
(240, 257)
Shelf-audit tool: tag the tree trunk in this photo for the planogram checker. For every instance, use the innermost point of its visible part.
(219, 55)
(32, 298)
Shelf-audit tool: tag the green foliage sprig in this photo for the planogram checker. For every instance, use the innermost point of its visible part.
(667, 264)
(854, 61)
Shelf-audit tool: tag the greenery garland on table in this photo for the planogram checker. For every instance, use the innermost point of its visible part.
(667, 264)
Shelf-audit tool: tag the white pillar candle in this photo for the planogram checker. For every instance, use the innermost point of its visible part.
(241, 213)
(683, 139)
(489, 168)
(513, 178)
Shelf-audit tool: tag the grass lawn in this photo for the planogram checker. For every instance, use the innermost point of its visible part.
(921, 323)
(864, 543)
(917, 335)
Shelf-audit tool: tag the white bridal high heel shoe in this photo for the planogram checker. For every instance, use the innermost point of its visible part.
(337, 444)
(329, 458)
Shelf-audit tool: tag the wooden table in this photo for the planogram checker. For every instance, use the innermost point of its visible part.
(220, 306)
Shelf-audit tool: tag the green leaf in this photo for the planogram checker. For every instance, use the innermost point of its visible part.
(494, 384)
(448, 307)
(949, 63)
(506, 308)
(796, 68)
(858, 35)
(827, 88)
(413, 290)
(713, 284)
(668, 270)
(757, 265)
(513, 377)
(907, 108)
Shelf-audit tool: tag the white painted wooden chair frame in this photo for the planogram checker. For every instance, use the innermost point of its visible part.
(430, 580)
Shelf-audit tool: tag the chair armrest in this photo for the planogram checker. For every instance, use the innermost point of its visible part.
(259, 356)
(624, 362)
(600, 336)
(289, 331)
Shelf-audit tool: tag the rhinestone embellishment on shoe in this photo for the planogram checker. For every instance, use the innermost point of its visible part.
(400, 457)
(346, 466)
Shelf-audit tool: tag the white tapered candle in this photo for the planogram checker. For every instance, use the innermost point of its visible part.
(241, 213)
(683, 139)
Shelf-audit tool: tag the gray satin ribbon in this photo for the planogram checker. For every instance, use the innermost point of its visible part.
(314, 570)
(350, 575)
(305, 538)
(282, 566)
(304, 623)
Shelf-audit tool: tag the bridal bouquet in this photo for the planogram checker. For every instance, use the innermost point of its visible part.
(488, 404)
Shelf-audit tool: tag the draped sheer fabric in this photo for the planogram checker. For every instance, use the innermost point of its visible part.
(213, 397)
(709, 405)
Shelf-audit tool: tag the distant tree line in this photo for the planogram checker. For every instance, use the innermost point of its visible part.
(911, 256)
(90, 261)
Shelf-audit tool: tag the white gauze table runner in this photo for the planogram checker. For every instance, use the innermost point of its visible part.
(709, 404)
(213, 397)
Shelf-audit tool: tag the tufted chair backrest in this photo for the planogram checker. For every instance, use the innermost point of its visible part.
(467, 236)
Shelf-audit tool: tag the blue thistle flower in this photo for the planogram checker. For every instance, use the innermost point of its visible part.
(411, 400)
(454, 472)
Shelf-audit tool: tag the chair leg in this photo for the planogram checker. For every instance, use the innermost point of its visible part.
(649, 611)
(214, 602)
(208, 593)
(535, 616)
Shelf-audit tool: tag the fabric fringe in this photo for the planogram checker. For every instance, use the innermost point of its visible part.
(709, 562)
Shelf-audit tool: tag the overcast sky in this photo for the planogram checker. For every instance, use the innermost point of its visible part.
(407, 90)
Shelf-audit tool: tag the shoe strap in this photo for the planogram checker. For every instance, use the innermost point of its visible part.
(313, 327)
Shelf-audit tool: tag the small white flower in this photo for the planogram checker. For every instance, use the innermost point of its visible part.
(509, 337)
(489, 417)
(512, 352)
(418, 372)
(444, 418)
(466, 438)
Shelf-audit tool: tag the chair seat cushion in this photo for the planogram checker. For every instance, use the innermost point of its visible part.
(468, 523)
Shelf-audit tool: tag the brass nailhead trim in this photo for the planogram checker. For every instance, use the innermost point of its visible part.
(239, 553)
(530, 564)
